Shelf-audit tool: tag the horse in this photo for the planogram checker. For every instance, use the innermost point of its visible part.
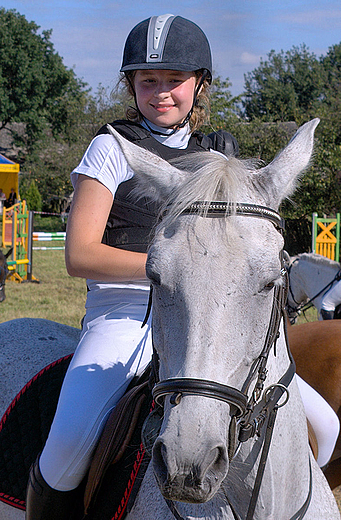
(316, 348)
(310, 277)
(3, 273)
(233, 439)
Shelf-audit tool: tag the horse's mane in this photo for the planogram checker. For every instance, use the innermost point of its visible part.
(319, 260)
(212, 177)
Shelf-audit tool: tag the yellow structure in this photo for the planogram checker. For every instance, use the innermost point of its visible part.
(9, 176)
(17, 233)
(326, 236)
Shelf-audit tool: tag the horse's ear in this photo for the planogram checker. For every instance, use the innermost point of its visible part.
(278, 180)
(156, 177)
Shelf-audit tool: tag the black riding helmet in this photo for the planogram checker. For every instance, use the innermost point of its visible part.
(168, 42)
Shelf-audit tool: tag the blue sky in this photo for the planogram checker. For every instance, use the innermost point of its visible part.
(90, 35)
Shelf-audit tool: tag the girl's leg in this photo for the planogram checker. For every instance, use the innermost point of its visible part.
(110, 353)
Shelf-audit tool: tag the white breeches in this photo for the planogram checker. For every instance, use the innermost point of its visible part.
(112, 349)
(332, 298)
(322, 418)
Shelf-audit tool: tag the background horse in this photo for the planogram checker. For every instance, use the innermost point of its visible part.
(316, 348)
(216, 284)
(310, 277)
(3, 273)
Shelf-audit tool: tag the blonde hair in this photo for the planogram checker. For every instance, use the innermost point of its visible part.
(201, 109)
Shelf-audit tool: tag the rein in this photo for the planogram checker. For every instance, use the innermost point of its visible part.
(248, 415)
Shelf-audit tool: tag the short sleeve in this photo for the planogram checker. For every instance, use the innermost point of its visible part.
(104, 161)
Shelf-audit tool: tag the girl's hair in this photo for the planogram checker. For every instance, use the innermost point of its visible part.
(201, 109)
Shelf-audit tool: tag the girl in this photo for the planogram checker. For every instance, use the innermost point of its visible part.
(167, 67)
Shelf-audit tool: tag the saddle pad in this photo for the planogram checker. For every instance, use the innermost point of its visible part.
(24, 429)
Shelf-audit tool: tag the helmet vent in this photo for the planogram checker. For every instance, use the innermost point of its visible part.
(157, 34)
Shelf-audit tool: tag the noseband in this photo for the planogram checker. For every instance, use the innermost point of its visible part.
(251, 414)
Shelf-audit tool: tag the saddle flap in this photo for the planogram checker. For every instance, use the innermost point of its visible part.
(115, 438)
(312, 440)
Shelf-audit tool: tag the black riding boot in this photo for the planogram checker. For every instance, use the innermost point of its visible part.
(44, 502)
(327, 315)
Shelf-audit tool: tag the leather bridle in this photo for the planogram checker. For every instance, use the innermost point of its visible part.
(249, 415)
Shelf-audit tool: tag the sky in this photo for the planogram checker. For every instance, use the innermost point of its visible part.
(90, 35)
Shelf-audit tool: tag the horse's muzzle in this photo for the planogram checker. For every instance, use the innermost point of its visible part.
(194, 481)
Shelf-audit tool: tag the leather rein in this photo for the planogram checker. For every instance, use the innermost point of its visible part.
(249, 415)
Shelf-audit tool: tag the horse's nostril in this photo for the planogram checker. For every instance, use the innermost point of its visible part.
(159, 461)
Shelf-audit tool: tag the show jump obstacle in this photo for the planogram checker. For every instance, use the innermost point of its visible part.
(326, 236)
(17, 227)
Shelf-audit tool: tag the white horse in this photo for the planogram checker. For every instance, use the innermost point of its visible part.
(310, 277)
(218, 280)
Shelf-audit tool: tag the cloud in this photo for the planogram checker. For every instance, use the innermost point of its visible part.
(320, 18)
(247, 58)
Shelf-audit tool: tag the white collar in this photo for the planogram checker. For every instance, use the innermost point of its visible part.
(177, 140)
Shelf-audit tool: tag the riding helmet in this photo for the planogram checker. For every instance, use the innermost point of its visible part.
(167, 42)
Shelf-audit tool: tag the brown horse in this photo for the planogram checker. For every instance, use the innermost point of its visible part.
(316, 348)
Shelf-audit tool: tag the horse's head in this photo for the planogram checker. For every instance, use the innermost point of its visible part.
(214, 277)
(3, 273)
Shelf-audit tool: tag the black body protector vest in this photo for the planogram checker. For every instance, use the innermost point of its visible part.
(131, 223)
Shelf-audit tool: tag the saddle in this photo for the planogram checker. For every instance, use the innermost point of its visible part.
(312, 440)
(117, 436)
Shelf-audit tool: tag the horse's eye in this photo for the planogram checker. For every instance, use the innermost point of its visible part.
(267, 288)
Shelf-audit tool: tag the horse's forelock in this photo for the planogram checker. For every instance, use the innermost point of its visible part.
(209, 177)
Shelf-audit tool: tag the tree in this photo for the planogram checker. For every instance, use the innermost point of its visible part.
(33, 197)
(35, 86)
(224, 107)
(285, 87)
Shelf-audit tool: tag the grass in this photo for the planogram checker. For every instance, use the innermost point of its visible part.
(57, 296)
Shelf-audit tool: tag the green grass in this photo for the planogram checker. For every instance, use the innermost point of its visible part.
(309, 315)
(57, 296)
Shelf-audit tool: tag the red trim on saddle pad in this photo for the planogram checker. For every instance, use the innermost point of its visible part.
(14, 502)
(137, 464)
(27, 386)
(4, 497)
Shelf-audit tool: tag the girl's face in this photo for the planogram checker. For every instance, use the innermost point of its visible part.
(164, 97)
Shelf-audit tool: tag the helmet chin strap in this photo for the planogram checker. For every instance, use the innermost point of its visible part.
(187, 118)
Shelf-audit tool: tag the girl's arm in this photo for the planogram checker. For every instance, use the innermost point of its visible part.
(85, 255)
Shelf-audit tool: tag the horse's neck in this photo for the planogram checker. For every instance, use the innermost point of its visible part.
(314, 278)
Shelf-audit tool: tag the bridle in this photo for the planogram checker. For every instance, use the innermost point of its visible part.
(249, 415)
(293, 312)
